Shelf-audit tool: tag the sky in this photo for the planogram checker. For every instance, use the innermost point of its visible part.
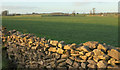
(59, 0)
(48, 6)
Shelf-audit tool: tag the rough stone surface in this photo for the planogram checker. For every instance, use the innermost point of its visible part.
(54, 42)
(102, 47)
(75, 64)
(114, 53)
(61, 60)
(98, 52)
(60, 51)
(89, 54)
(83, 65)
(84, 48)
(102, 64)
(92, 66)
(29, 51)
(103, 57)
(52, 49)
(64, 56)
(92, 62)
(61, 44)
(69, 61)
(67, 47)
(91, 44)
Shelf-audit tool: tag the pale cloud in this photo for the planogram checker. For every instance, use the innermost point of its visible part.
(81, 3)
(17, 7)
(59, 0)
(68, 7)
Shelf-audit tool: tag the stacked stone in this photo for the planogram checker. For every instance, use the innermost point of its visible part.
(29, 51)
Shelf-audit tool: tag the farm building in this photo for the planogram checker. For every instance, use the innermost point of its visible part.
(5, 13)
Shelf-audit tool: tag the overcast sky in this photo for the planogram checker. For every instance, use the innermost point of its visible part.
(67, 6)
(60, 0)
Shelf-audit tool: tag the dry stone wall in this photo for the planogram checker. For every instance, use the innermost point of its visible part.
(29, 51)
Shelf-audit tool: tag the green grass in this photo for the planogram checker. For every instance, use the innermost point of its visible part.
(68, 28)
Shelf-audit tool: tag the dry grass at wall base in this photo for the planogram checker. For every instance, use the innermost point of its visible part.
(29, 51)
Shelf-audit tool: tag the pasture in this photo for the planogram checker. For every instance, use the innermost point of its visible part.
(71, 29)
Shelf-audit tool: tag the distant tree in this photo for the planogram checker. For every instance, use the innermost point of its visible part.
(73, 13)
(33, 13)
(90, 12)
(93, 11)
(101, 13)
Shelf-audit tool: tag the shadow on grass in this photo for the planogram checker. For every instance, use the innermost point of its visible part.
(6, 63)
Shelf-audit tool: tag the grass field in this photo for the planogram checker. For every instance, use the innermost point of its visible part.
(71, 29)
